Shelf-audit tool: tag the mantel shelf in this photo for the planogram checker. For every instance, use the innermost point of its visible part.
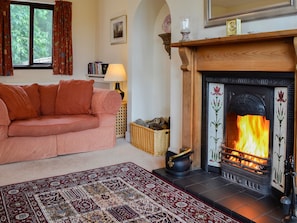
(238, 39)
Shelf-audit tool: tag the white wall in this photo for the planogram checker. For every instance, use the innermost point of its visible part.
(146, 61)
(84, 27)
(162, 72)
(195, 10)
(104, 50)
(149, 83)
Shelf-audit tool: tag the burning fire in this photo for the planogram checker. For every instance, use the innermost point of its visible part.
(253, 135)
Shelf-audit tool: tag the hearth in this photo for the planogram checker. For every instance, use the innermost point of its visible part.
(249, 131)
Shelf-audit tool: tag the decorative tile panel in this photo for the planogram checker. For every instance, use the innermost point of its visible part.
(279, 137)
(215, 123)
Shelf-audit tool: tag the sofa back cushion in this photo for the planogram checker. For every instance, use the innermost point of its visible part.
(48, 94)
(17, 101)
(33, 93)
(74, 97)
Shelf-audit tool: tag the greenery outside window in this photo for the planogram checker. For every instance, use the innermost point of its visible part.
(31, 34)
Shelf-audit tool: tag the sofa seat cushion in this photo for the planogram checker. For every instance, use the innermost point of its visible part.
(52, 125)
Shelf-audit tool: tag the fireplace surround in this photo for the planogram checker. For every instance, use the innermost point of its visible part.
(262, 52)
(249, 100)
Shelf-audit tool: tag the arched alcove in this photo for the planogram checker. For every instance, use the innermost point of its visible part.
(149, 83)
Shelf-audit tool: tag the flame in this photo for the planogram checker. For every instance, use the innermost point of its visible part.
(253, 135)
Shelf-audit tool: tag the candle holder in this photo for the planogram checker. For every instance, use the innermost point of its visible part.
(185, 30)
(185, 35)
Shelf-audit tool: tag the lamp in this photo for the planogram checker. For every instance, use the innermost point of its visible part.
(116, 73)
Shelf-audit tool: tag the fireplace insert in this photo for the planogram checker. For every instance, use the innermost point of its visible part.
(246, 152)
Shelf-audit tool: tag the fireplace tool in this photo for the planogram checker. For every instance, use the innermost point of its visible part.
(285, 200)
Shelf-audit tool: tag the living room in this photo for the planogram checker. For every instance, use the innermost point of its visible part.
(154, 82)
(143, 54)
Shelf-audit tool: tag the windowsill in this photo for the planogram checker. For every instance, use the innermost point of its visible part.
(36, 66)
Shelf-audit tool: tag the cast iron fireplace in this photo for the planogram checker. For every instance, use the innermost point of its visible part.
(246, 147)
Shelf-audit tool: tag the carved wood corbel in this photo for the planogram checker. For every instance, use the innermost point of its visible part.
(185, 54)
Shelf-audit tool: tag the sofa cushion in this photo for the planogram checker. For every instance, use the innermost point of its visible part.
(74, 97)
(33, 93)
(48, 94)
(17, 101)
(52, 125)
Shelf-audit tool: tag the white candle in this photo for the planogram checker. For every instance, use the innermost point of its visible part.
(185, 24)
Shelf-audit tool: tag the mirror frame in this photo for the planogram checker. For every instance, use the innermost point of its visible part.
(265, 12)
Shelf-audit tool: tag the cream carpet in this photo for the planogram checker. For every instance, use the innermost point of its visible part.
(122, 152)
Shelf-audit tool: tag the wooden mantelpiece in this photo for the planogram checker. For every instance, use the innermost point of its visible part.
(271, 51)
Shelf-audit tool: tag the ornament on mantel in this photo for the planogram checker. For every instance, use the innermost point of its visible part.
(166, 26)
(185, 29)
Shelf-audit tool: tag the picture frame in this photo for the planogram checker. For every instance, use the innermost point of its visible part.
(118, 30)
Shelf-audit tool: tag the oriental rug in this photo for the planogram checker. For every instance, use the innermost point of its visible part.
(118, 193)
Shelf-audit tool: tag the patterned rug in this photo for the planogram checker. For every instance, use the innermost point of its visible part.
(118, 193)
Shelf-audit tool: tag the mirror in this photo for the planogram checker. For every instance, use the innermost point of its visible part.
(218, 11)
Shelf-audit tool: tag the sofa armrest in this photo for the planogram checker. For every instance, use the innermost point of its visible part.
(4, 118)
(105, 101)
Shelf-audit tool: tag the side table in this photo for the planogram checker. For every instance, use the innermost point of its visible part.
(121, 120)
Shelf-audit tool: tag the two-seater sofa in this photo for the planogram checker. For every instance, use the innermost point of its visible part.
(42, 121)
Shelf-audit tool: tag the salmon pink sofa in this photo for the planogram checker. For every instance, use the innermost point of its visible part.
(42, 121)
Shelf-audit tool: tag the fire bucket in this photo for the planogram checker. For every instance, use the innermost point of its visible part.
(178, 164)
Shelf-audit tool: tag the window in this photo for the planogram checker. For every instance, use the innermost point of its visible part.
(31, 34)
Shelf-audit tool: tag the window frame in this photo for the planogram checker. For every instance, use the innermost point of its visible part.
(31, 64)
